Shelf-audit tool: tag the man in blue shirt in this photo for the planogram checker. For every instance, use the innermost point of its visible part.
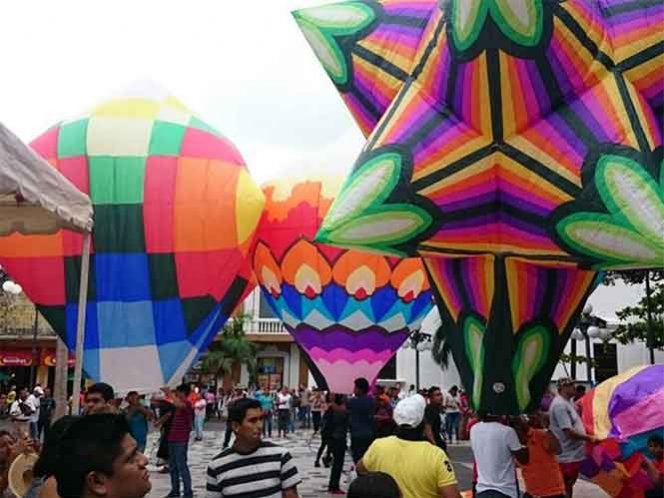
(361, 410)
(267, 405)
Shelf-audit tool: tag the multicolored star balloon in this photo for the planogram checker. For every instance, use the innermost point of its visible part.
(524, 129)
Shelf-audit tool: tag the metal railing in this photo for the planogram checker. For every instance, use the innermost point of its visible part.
(269, 326)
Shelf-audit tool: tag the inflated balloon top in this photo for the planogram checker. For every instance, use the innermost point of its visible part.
(349, 310)
(529, 127)
(175, 217)
(517, 146)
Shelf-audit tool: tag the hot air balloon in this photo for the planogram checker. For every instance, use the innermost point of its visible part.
(623, 412)
(522, 148)
(175, 217)
(350, 311)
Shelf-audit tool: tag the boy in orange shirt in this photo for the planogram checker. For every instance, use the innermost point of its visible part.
(542, 474)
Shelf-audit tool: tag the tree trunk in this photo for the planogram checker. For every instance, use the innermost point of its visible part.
(61, 373)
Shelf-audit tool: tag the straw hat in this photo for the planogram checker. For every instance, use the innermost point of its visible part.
(20, 473)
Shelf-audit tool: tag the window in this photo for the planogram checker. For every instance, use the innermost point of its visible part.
(606, 361)
(264, 309)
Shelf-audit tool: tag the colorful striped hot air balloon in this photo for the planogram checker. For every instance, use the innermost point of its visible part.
(350, 311)
(175, 218)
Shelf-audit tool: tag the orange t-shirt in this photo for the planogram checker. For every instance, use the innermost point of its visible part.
(542, 473)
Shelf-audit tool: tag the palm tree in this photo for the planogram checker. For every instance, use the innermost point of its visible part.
(442, 349)
(233, 347)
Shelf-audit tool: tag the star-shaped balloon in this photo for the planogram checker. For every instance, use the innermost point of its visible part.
(526, 129)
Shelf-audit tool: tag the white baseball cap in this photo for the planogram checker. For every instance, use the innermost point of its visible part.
(410, 411)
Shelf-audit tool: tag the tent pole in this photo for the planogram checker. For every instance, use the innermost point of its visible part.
(80, 323)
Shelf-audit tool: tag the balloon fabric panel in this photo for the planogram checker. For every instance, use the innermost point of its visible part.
(369, 52)
(522, 311)
(350, 311)
(522, 132)
(170, 238)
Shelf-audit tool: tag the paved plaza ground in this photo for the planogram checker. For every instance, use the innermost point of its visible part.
(314, 480)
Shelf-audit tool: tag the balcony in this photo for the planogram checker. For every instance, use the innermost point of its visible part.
(267, 326)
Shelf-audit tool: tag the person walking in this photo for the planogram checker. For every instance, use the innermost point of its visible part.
(317, 409)
(361, 411)
(305, 408)
(495, 446)
(34, 402)
(178, 441)
(267, 405)
(420, 469)
(566, 425)
(46, 410)
(200, 412)
(433, 418)
(251, 467)
(338, 431)
(325, 435)
(452, 414)
(284, 401)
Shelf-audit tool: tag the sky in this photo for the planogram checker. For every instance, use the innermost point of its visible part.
(242, 65)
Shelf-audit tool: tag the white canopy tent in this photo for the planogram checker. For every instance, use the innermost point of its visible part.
(36, 199)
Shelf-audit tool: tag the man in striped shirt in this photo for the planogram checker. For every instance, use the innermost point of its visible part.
(251, 468)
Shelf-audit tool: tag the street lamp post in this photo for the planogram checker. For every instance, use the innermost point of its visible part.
(586, 329)
(420, 342)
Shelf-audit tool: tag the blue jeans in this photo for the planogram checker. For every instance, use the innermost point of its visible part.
(199, 420)
(452, 425)
(177, 465)
(267, 424)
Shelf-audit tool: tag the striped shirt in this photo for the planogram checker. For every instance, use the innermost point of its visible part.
(181, 424)
(265, 473)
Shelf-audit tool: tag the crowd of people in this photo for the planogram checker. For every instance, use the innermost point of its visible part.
(397, 442)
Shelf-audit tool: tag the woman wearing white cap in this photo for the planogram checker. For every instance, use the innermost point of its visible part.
(421, 469)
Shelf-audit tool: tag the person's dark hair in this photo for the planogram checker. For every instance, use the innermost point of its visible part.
(374, 485)
(48, 458)
(104, 389)
(184, 389)
(408, 433)
(6, 433)
(339, 399)
(432, 390)
(132, 393)
(237, 410)
(362, 384)
(91, 444)
(658, 440)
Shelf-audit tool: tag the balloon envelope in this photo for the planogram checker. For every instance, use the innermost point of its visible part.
(531, 130)
(350, 311)
(175, 217)
(628, 407)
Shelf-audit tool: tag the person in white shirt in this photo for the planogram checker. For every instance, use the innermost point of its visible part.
(21, 412)
(566, 425)
(452, 414)
(34, 401)
(495, 446)
(284, 403)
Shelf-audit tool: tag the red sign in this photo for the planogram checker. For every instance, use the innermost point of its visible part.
(23, 358)
(48, 358)
(15, 358)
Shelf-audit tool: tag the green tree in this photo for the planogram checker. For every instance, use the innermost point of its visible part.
(634, 324)
(231, 348)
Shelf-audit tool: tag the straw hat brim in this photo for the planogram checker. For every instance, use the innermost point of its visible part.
(20, 475)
